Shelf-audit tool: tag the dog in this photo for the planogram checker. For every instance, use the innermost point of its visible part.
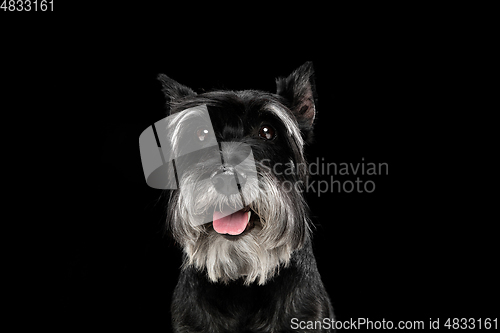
(237, 209)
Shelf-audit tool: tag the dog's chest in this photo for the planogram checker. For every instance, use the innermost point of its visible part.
(237, 307)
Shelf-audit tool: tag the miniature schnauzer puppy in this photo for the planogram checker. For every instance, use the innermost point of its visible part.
(237, 208)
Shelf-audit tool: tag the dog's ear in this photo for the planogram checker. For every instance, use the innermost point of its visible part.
(173, 90)
(299, 90)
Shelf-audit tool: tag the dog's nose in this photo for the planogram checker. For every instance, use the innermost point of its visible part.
(228, 182)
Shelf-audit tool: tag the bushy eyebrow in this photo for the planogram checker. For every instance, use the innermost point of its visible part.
(290, 123)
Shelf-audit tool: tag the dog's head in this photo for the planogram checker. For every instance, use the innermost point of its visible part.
(238, 169)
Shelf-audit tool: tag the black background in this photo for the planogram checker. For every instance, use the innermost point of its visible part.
(394, 253)
(412, 250)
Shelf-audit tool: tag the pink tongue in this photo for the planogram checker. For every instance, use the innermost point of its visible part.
(233, 224)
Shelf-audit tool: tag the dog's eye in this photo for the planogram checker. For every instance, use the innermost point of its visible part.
(267, 132)
(202, 133)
